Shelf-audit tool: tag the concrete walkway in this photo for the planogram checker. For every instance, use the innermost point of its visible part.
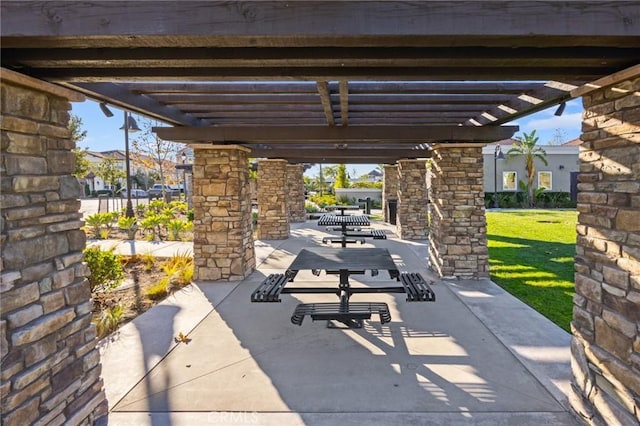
(475, 356)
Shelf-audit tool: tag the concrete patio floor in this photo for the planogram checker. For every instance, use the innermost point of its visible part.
(475, 356)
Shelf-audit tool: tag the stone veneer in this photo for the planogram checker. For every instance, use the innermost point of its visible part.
(273, 211)
(606, 313)
(223, 233)
(295, 189)
(458, 233)
(49, 361)
(412, 217)
(389, 188)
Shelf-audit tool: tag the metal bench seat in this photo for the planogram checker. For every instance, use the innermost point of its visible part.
(416, 288)
(376, 234)
(344, 313)
(270, 288)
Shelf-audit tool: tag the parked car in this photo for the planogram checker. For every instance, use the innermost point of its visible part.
(105, 191)
(156, 191)
(135, 193)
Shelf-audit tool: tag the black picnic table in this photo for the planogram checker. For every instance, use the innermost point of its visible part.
(350, 229)
(342, 208)
(343, 262)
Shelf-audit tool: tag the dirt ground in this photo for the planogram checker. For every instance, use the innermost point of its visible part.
(132, 293)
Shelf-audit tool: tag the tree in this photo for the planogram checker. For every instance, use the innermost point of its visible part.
(526, 146)
(109, 171)
(342, 181)
(155, 153)
(77, 134)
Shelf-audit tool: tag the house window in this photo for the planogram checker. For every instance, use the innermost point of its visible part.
(545, 180)
(509, 181)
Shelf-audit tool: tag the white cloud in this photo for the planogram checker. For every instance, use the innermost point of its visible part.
(569, 122)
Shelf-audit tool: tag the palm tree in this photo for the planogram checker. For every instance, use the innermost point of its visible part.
(526, 145)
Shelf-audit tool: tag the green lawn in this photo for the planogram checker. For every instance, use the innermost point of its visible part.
(531, 256)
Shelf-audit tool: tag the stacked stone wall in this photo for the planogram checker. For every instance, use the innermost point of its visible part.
(389, 189)
(606, 314)
(412, 216)
(273, 210)
(295, 189)
(458, 230)
(50, 367)
(223, 231)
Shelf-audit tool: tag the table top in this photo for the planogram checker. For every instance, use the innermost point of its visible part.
(334, 259)
(341, 207)
(333, 220)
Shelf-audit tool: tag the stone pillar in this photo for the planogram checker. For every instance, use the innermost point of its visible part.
(273, 211)
(412, 220)
(295, 189)
(458, 229)
(50, 364)
(223, 232)
(389, 188)
(606, 313)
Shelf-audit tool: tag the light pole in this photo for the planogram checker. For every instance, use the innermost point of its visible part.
(498, 155)
(129, 125)
(184, 176)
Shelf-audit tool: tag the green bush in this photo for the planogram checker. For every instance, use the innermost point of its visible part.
(106, 269)
(324, 200)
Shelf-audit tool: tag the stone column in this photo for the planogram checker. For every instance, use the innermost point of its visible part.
(458, 229)
(273, 211)
(295, 189)
(50, 364)
(412, 220)
(606, 314)
(223, 231)
(389, 188)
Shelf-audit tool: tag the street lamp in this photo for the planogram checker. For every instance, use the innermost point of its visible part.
(184, 175)
(129, 125)
(498, 155)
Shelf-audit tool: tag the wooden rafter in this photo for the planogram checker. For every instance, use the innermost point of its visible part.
(325, 98)
(344, 102)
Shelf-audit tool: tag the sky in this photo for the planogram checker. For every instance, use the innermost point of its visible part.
(104, 134)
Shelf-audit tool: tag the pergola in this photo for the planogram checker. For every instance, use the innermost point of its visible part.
(352, 82)
(313, 81)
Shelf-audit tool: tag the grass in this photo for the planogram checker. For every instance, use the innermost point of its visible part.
(531, 255)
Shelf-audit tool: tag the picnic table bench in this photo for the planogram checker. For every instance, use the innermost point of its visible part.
(344, 263)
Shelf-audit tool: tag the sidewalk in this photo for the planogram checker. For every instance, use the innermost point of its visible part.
(477, 355)
(157, 248)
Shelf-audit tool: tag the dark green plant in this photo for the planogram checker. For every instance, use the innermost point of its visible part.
(106, 269)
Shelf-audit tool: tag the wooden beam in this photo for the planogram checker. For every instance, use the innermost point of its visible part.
(626, 74)
(325, 98)
(118, 96)
(350, 134)
(344, 102)
(367, 156)
(524, 72)
(269, 23)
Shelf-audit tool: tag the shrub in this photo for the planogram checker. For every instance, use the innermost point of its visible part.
(107, 271)
(310, 207)
(175, 227)
(101, 223)
(190, 215)
(324, 200)
(152, 223)
(149, 260)
(160, 290)
(128, 224)
(179, 269)
(109, 320)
